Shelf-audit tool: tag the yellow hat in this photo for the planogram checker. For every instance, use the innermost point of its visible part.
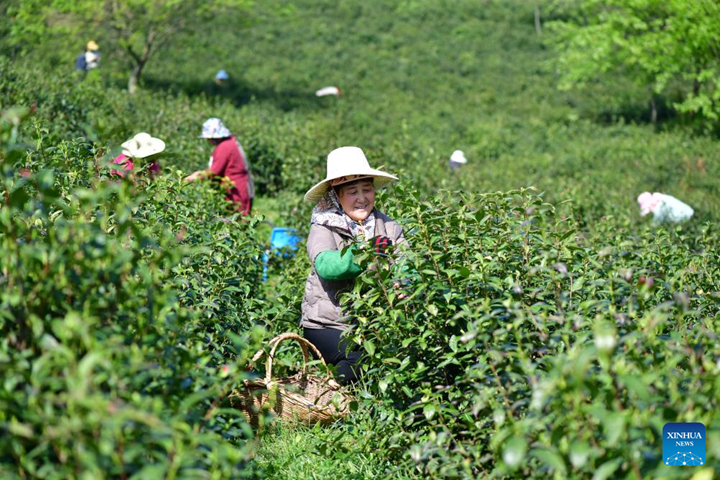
(91, 45)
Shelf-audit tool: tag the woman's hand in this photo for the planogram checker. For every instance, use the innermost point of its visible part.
(193, 176)
(199, 175)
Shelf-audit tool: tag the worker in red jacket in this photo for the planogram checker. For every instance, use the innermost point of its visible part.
(228, 160)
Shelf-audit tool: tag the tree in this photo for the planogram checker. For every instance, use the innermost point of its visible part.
(138, 28)
(658, 43)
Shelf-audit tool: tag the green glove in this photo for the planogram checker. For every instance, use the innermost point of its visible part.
(332, 265)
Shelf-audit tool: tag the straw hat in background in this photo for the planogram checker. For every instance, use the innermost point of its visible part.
(325, 91)
(458, 157)
(142, 145)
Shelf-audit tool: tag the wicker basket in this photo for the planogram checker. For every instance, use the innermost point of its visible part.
(301, 397)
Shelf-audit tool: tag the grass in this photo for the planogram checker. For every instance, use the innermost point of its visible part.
(318, 453)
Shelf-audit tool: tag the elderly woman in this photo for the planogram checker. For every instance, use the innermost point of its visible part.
(345, 212)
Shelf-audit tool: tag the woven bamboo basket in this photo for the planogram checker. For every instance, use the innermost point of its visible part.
(301, 397)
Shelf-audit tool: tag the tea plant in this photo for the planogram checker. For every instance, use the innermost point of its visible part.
(545, 332)
(523, 349)
(110, 368)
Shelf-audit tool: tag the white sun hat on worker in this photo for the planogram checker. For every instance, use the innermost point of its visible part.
(458, 157)
(325, 91)
(347, 164)
(214, 128)
(142, 145)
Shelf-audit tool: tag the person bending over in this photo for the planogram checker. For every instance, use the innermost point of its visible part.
(228, 160)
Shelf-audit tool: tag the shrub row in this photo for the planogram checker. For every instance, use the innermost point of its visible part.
(538, 339)
(126, 318)
(529, 348)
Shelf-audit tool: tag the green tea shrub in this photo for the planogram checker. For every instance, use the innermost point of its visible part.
(221, 274)
(423, 78)
(110, 367)
(277, 143)
(527, 347)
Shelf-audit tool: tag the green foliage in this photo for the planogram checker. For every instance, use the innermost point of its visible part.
(138, 29)
(111, 367)
(666, 46)
(421, 79)
(543, 335)
(528, 348)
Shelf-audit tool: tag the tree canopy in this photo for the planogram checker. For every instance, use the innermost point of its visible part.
(664, 45)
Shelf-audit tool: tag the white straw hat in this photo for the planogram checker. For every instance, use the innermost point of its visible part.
(142, 145)
(325, 91)
(458, 157)
(347, 164)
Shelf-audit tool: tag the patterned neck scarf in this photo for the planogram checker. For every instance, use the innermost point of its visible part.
(328, 212)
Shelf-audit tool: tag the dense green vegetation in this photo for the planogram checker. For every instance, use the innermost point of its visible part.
(119, 305)
(668, 47)
(547, 332)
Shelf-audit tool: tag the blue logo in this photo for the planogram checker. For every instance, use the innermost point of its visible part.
(684, 444)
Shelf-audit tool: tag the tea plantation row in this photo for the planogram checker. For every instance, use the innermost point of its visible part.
(120, 305)
(528, 347)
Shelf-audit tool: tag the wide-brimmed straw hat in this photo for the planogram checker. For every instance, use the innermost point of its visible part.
(214, 128)
(142, 145)
(91, 45)
(347, 164)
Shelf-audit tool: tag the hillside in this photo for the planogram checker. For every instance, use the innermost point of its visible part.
(421, 79)
(546, 328)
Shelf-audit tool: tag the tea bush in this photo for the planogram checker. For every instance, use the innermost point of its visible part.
(425, 77)
(280, 147)
(112, 365)
(527, 347)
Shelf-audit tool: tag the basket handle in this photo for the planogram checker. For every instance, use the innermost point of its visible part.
(304, 344)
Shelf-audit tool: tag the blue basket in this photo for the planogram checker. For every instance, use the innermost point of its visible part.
(284, 237)
(280, 238)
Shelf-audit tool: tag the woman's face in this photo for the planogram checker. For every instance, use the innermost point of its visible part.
(357, 200)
